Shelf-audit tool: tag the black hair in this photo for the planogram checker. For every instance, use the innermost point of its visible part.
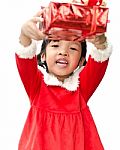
(43, 50)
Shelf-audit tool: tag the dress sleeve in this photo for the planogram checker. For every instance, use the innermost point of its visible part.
(27, 67)
(93, 72)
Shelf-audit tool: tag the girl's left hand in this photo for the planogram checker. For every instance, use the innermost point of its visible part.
(99, 41)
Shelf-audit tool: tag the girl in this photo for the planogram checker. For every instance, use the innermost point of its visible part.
(59, 118)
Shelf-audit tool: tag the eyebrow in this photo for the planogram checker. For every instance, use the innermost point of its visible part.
(55, 40)
(79, 44)
(76, 43)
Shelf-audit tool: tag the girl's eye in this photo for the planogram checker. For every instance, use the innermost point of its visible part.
(54, 45)
(74, 49)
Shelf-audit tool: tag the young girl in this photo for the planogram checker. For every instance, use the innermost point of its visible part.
(59, 118)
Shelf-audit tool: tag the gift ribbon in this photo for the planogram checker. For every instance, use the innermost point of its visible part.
(95, 2)
(89, 3)
(94, 20)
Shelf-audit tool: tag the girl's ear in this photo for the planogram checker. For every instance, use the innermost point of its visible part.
(43, 58)
(82, 59)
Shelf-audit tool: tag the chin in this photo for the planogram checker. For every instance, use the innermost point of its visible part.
(62, 75)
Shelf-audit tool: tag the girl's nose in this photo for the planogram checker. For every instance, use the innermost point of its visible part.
(63, 52)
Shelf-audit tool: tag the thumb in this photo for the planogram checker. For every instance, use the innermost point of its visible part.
(39, 13)
(37, 19)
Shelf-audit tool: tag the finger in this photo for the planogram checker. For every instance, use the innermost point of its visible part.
(90, 40)
(38, 37)
(101, 46)
(32, 30)
(38, 34)
(100, 39)
(99, 34)
(37, 19)
(39, 13)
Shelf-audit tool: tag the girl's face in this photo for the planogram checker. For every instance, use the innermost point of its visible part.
(62, 57)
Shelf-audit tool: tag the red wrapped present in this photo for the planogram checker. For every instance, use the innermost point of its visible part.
(73, 21)
(84, 2)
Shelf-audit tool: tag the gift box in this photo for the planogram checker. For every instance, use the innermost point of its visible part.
(73, 21)
(84, 2)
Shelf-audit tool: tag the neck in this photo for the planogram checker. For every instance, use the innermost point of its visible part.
(62, 78)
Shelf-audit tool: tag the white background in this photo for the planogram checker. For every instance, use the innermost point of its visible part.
(14, 103)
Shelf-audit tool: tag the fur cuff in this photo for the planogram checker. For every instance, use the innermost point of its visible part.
(27, 52)
(101, 55)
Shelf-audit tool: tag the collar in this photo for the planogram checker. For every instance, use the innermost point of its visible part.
(71, 83)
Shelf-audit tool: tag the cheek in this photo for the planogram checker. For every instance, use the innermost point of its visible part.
(49, 55)
(50, 59)
(50, 52)
(76, 58)
(75, 64)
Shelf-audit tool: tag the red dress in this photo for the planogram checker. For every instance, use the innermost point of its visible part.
(59, 119)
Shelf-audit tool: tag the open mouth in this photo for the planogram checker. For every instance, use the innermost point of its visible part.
(62, 62)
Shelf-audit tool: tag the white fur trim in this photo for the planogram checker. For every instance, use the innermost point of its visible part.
(27, 52)
(70, 83)
(101, 55)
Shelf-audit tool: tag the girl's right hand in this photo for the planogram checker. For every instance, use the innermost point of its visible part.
(30, 30)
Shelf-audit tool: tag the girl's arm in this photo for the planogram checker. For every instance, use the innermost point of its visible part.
(26, 55)
(93, 72)
(28, 71)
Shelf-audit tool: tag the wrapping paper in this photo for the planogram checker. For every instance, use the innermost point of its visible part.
(84, 2)
(72, 21)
